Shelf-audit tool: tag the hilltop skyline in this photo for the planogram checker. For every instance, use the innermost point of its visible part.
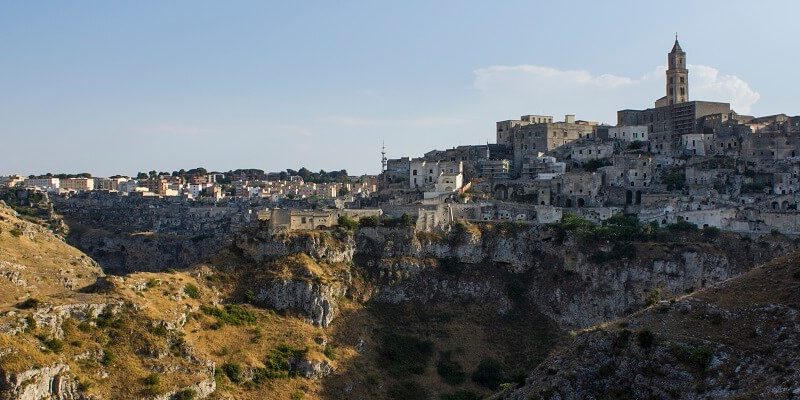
(119, 89)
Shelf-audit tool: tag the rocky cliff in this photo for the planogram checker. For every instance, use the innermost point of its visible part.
(737, 339)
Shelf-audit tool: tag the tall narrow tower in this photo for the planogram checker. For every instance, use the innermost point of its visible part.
(677, 75)
(384, 161)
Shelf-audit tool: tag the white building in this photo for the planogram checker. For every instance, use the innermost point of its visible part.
(424, 173)
(631, 133)
(49, 184)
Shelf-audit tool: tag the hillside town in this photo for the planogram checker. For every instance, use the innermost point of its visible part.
(679, 161)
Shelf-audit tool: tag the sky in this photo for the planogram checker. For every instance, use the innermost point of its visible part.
(117, 87)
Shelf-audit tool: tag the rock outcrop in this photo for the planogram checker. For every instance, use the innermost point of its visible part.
(51, 382)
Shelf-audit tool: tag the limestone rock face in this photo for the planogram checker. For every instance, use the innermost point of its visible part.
(51, 382)
(316, 301)
(311, 369)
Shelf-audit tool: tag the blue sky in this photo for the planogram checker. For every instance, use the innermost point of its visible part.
(124, 86)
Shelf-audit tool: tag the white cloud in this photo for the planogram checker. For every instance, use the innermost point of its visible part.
(540, 89)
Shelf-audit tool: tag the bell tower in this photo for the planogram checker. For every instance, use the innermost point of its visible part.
(677, 75)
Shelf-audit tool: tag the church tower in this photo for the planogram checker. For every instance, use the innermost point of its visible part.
(677, 75)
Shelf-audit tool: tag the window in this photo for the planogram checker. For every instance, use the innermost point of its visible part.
(414, 173)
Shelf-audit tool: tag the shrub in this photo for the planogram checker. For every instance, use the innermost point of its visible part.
(698, 357)
(108, 357)
(675, 180)
(405, 354)
(233, 371)
(654, 297)
(408, 390)
(30, 323)
(404, 221)
(298, 395)
(347, 223)
(191, 291)
(710, 232)
(645, 338)
(15, 231)
(152, 380)
(450, 370)
(489, 374)
(460, 395)
(232, 314)
(701, 357)
(30, 302)
(330, 351)
(52, 344)
(682, 226)
(185, 394)
(369, 221)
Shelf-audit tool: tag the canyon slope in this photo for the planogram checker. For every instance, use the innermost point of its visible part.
(232, 311)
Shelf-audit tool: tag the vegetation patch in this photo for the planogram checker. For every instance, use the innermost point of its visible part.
(231, 314)
(450, 370)
(191, 291)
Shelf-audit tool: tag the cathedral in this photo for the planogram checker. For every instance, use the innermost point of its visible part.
(673, 114)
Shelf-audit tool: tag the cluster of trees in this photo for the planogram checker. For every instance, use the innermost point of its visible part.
(315, 177)
(61, 176)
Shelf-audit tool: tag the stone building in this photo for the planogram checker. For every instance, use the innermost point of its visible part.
(530, 140)
(631, 133)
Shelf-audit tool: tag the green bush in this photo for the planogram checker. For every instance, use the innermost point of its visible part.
(231, 314)
(369, 221)
(330, 351)
(682, 226)
(152, 380)
(108, 357)
(15, 231)
(233, 371)
(191, 291)
(408, 390)
(52, 344)
(710, 232)
(347, 223)
(405, 354)
(450, 370)
(490, 374)
(185, 394)
(675, 180)
(403, 221)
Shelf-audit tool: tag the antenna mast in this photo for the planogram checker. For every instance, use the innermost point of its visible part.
(383, 157)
